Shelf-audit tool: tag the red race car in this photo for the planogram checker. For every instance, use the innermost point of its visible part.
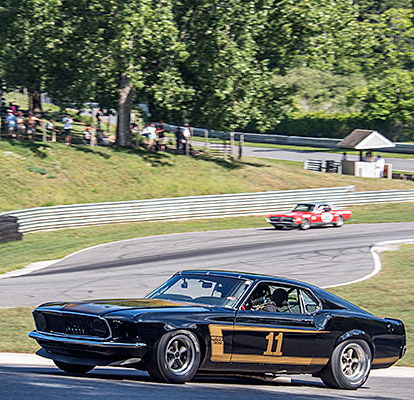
(305, 215)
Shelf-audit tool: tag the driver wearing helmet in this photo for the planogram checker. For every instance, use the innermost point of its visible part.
(260, 300)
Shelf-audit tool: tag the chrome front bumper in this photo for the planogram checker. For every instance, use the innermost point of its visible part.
(85, 342)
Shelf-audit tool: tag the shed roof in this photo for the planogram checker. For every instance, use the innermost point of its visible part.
(365, 139)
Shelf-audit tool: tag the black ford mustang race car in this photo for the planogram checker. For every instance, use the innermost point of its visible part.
(225, 323)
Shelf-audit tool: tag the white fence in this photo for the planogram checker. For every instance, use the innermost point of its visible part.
(194, 207)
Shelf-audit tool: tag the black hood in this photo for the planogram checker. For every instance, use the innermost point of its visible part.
(102, 307)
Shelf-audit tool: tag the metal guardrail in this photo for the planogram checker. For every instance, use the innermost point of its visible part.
(194, 207)
(407, 148)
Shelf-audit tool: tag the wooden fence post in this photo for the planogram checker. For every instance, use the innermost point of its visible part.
(139, 132)
(241, 140)
(231, 144)
(44, 136)
(224, 146)
(206, 139)
(93, 136)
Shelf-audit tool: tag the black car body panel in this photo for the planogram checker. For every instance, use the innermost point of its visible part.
(232, 338)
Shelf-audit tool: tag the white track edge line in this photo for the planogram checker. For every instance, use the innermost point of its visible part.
(376, 250)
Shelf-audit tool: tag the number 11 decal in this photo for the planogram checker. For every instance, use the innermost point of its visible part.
(270, 339)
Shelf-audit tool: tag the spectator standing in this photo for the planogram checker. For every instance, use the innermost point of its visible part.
(67, 127)
(152, 137)
(20, 125)
(10, 120)
(99, 119)
(161, 136)
(186, 137)
(178, 138)
(86, 136)
(50, 127)
(379, 166)
(31, 126)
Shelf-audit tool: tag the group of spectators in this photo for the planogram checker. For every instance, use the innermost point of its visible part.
(155, 137)
(18, 126)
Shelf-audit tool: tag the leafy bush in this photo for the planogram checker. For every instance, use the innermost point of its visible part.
(336, 126)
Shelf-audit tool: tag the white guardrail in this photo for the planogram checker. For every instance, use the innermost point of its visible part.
(194, 207)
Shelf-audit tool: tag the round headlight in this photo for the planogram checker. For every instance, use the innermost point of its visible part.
(41, 323)
(99, 327)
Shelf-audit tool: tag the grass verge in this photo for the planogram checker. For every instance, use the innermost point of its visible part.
(36, 174)
(389, 294)
(393, 284)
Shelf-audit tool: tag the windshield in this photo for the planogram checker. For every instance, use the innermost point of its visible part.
(205, 289)
(304, 207)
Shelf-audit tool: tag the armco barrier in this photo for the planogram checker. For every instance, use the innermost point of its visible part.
(407, 148)
(194, 207)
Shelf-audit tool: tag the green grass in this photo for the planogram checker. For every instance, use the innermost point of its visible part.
(389, 294)
(41, 174)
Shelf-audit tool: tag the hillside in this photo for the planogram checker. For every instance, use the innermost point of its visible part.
(37, 174)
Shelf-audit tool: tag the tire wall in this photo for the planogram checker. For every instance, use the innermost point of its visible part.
(9, 229)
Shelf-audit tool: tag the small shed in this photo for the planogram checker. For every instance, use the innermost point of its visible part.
(363, 139)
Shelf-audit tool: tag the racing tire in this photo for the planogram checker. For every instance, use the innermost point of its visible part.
(174, 358)
(74, 368)
(339, 222)
(278, 227)
(349, 365)
(304, 225)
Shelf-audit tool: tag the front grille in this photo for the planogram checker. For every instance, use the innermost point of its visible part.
(275, 219)
(287, 219)
(71, 324)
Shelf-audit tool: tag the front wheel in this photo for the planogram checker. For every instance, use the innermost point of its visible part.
(349, 365)
(304, 225)
(339, 222)
(175, 357)
(74, 368)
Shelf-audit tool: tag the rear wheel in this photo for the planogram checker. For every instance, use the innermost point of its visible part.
(304, 225)
(349, 365)
(339, 222)
(175, 357)
(74, 368)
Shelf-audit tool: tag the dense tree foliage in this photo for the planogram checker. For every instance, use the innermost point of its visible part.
(224, 64)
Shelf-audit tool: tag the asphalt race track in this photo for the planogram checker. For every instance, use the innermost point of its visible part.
(42, 381)
(131, 268)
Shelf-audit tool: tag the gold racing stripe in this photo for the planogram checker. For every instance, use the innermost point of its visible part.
(385, 360)
(218, 355)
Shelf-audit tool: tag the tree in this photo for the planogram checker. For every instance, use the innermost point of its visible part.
(389, 94)
(26, 34)
(112, 50)
(231, 83)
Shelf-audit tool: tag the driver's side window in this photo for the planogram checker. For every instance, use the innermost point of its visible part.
(274, 298)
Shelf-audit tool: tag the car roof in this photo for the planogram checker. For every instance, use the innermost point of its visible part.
(248, 276)
(316, 204)
(321, 293)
